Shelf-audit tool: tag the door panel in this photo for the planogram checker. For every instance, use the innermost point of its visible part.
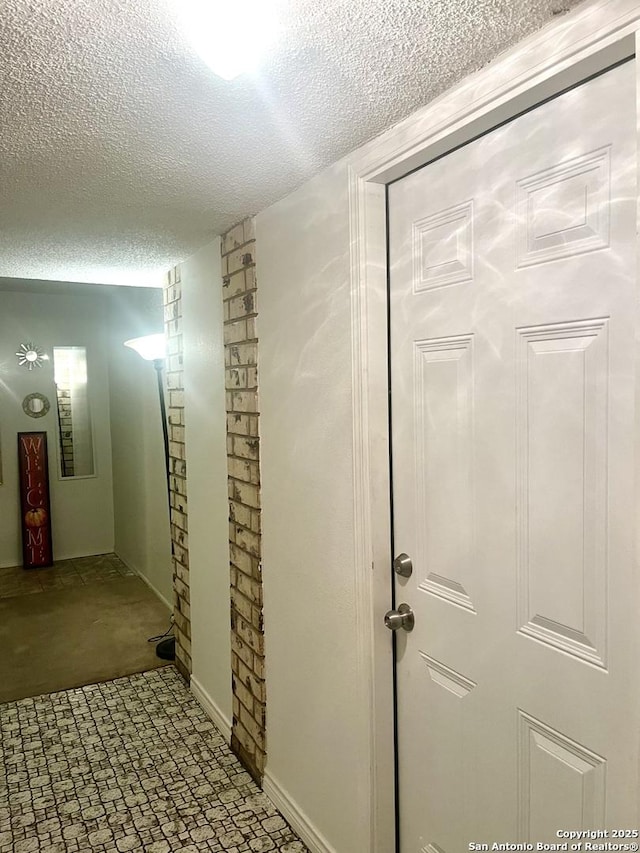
(513, 371)
(444, 379)
(561, 460)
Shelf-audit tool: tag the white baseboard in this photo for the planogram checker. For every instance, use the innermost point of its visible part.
(58, 558)
(211, 709)
(154, 590)
(294, 816)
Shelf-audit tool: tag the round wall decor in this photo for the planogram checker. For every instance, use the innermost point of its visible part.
(35, 405)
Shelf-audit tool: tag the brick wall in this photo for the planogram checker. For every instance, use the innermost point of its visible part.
(178, 470)
(243, 457)
(65, 421)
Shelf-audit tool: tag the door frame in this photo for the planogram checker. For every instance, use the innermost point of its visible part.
(561, 55)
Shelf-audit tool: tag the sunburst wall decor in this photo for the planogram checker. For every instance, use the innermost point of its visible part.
(31, 355)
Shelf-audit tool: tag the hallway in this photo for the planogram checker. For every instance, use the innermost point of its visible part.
(128, 765)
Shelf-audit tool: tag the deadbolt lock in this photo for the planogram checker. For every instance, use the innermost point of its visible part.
(403, 566)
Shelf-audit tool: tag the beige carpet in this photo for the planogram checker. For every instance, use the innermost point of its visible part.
(80, 635)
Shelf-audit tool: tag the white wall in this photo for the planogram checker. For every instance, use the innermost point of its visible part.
(315, 727)
(141, 507)
(208, 510)
(81, 509)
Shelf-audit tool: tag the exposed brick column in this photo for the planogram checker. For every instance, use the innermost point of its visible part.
(178, 471)
(243, 457)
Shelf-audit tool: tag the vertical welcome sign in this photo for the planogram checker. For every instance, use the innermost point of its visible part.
(35, 511)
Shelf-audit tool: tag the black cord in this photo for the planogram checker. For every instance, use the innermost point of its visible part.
(160, 636)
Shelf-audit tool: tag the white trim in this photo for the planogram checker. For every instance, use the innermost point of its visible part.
(295, 817)
(372, 558)
(561, 55)
(221, 721)
(146, 580)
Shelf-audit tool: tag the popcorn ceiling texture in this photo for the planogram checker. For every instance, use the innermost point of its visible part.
(122, 154)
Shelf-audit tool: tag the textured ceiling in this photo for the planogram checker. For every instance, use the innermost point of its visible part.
(122, 154)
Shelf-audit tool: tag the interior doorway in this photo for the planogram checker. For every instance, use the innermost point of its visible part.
(513, 365)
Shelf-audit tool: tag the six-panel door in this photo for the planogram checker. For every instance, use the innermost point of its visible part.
(514, 434)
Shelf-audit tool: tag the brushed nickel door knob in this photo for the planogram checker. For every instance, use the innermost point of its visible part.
(401, 618)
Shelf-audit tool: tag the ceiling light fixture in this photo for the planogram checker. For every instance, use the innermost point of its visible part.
(230, 39)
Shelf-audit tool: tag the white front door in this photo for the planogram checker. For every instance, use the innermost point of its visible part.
(514, 434)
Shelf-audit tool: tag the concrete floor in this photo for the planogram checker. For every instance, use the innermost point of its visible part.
(62, 574)
(79, 622)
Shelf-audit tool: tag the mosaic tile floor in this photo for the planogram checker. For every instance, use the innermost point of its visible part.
(64, 573)
(129, 765)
